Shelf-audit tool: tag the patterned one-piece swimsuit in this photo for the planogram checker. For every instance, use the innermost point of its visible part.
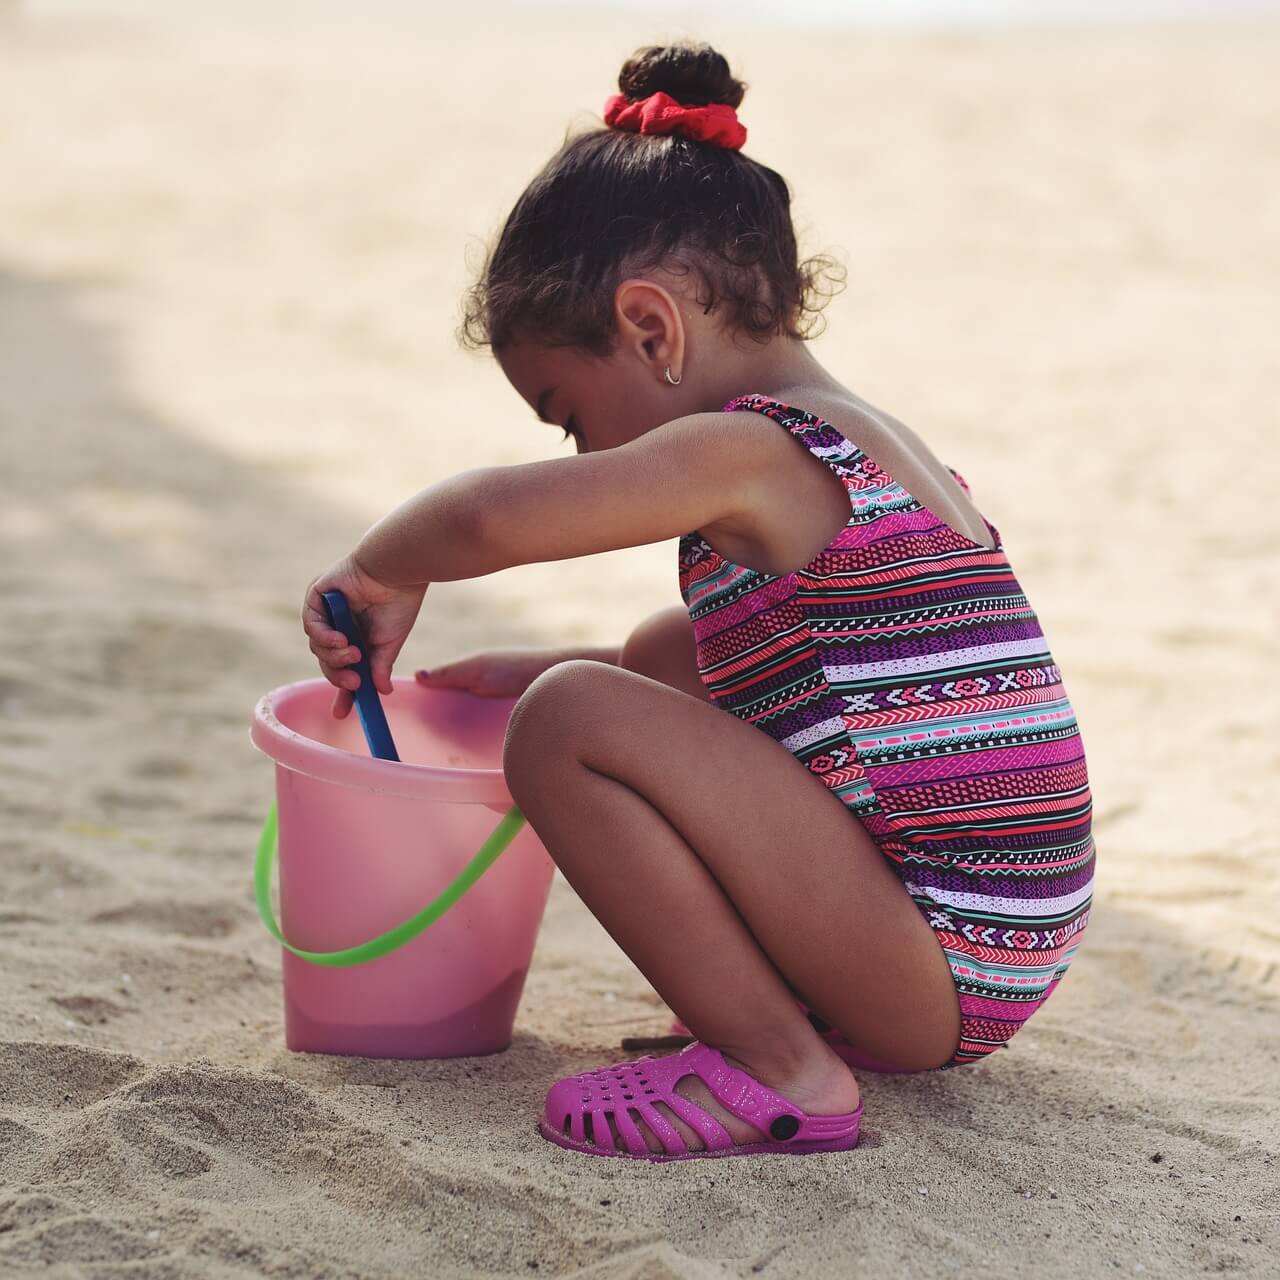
(904, 666)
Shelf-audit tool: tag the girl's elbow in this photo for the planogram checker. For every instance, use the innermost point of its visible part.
(481, 532)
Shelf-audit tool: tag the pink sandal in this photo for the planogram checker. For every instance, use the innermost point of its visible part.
(577, 1110)
(859, 1059)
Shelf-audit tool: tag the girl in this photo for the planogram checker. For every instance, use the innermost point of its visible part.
(893, 875)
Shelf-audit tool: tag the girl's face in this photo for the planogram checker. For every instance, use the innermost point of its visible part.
(607, 401)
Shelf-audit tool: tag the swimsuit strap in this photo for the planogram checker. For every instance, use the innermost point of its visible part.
(873, 491)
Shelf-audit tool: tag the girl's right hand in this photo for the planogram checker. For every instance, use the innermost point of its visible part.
(493, 673)
(385, 614)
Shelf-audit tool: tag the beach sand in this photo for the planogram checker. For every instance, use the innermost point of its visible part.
(230, 264)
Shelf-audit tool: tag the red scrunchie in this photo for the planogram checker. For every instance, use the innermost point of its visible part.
(660, 113)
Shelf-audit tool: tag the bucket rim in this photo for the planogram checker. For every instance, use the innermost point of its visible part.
(299, 754)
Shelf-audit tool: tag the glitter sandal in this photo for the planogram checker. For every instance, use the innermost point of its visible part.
(578, 1107)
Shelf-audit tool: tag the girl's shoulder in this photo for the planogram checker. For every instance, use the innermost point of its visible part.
(894, 448)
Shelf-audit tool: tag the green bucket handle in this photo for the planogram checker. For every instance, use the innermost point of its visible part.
(406, 930)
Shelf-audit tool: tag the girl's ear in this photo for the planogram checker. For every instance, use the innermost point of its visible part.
(649, 323)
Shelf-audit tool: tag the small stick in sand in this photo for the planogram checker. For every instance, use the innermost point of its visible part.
(656, 1042)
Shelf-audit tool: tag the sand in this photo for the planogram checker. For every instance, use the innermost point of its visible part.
(230, 261)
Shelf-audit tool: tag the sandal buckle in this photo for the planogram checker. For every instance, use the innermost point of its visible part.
(784, 1127)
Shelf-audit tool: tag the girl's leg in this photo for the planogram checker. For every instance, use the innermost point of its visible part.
(662, 647)
(732, 877)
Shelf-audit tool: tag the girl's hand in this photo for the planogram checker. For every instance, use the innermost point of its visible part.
(495, 673)
(386, 616)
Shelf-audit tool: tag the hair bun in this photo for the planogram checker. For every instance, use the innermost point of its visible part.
(695, 75)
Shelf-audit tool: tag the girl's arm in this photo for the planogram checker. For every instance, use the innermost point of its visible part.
(681, 476)
(507, 673)
(673, 479)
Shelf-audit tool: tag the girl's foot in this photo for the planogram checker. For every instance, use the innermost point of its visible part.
(824, 1088)
(736, 1113)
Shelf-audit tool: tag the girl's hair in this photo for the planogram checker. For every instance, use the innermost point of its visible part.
(611, 203)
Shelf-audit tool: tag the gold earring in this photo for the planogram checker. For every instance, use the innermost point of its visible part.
(675, 382)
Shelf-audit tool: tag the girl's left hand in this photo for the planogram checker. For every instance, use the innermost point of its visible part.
(386, 616)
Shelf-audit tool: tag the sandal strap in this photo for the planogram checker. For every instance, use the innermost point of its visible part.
(667, 1133)
(632, 1139)
(737, 1092)
(713, 1133)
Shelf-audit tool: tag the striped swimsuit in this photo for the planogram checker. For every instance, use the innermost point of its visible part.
(904, 666)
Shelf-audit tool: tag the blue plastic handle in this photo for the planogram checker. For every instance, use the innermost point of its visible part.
(373, 720)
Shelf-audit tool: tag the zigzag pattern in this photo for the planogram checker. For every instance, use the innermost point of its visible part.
(1006, 873)
(916, 713)
(841, 777)
(785, 701)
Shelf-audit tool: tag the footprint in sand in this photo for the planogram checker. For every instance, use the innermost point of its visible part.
(185, 1121)
(162, 768)
(89, 1010)
(26, 696)
(214, 919)
(163, 655)
(22, 917)
(113, 800)
(30, 870)
(37, 1231)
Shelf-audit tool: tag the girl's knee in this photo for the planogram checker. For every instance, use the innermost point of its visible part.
(543, 719)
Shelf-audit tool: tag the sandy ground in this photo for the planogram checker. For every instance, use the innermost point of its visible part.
(229, 272)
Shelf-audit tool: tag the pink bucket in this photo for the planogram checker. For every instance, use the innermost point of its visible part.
(365, 843)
